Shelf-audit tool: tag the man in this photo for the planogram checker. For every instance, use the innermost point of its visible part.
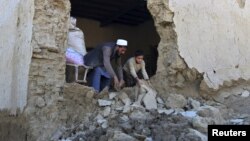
(132, 67)
(100, 57)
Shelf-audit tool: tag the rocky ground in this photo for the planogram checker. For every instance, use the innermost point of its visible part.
(123, 116)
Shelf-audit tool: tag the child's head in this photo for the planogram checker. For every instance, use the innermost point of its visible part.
(139, 55)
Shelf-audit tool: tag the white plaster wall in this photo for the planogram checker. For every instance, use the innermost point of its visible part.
(16, 18)
(213, 37)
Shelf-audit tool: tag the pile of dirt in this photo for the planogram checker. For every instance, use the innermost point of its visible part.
(131, 114)
(121, 116)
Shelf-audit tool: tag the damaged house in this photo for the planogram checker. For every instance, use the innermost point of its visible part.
(197, 56)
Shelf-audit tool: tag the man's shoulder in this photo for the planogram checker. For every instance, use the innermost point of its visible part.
(108, 44)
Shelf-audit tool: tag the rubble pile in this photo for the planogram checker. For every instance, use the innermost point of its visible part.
(135, 114)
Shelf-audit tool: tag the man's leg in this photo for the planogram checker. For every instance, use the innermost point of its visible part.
(105, 80)
(105, 83)
(127, 78)
(96, 78)
(130, 80)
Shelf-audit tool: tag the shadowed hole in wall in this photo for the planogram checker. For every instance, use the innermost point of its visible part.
(105, 21)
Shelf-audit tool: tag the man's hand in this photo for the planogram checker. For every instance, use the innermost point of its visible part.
(116, 83)
(121, 84)
(149, 83)
(138, 81)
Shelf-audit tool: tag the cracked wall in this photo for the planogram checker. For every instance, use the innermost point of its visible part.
(172, 70)
(15, 52)
(197, 38)
(47, 69)
(215, 39)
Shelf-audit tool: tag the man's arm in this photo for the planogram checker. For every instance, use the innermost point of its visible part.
(144, 72)
(119, 68)
(132, 68)
(107, 51)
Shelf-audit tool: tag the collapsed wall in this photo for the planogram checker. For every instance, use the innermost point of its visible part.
(32, 79)
(15, 52)
(47, 69)
(49, 106)
(197, 38)
(172, 70)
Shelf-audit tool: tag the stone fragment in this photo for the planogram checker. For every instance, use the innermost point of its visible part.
(245, 94)
(104, 102)
(159, 100)
(112, 95)
(197, 133)
(150, 101)
(189, 114)
(165, 111)
(106, 111)
(194, 103)
(119, 136)
(176, 101)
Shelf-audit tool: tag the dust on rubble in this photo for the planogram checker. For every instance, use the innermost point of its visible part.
(141, 114)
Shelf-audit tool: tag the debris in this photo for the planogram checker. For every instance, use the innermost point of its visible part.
(197, 133)
(237, 121)
(194, 103)
(189, 114)
(165, 111)
(245, 94)
(176, 101)
(104, 102)
(112, 95)
(159, 100)
(106, 111)
(150, 101)
(119, 136)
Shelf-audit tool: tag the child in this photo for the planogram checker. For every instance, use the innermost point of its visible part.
(132, 67)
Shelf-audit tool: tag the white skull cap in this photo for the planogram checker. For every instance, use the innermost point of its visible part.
(122, 42)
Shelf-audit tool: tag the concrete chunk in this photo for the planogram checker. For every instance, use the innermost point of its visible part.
(106, 111)
(176, 101)
(104, 102)
(159, 100)
(150, 101)
(245, 94)
(189, 114)
(165, 111)
(194, 103)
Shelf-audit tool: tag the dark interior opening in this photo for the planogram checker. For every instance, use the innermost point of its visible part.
(107, 20)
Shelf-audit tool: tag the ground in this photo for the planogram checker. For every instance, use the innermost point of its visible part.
(113, 120)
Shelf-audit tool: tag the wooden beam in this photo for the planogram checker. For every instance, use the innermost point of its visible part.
(93, 6)
(113, 3)
(98, 18)
(92, 11)
(121, 12)
(88, 16)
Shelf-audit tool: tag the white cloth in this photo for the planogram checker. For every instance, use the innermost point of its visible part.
(74, 57)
